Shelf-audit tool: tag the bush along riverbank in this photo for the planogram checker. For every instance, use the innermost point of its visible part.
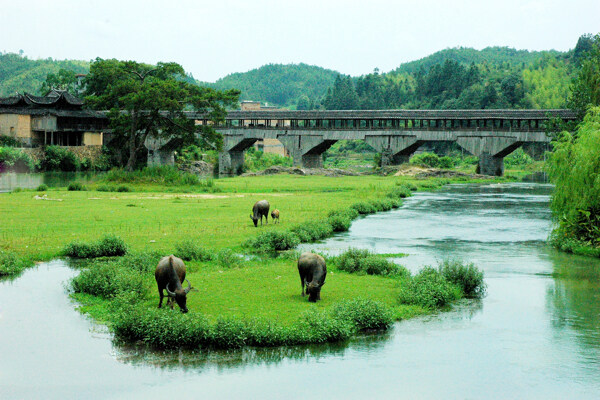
(364, 291)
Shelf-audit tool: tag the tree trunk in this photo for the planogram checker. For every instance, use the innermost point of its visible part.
(132, 145)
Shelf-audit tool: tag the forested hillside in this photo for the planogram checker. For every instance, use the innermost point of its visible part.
(279, 84)
(20, 74)
(495, 77)
(463, 78)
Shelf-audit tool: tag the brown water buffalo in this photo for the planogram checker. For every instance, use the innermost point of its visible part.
(312, 271)
(260, 210)
(275, 216)
(170, 274)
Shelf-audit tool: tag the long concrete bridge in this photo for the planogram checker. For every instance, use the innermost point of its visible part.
(396, 134)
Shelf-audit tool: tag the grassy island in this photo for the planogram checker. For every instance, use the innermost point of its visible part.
(246, 293)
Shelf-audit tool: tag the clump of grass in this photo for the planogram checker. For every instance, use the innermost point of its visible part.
(105, 188)
(108, 246)
(190, 250)
(468, 277)
(364, 208)
(339, 223)
(162, 175)
(107, 280)
(364, 314)
(76, 186)
(365, 262)
(429, 289)
(400, 192)
(311, 232)
(10, 264)
(273, 241)
(226, 258)
(123, 188)
(42, 188)
(349, 213)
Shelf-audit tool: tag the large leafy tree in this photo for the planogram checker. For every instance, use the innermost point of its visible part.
(585, 90)
(149, 101)
(64, 79)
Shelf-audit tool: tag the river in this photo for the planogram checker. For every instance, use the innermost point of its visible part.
(535, 335)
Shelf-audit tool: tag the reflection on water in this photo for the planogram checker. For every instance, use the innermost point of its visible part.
(535, 335)
(241, 358)
(13, 180)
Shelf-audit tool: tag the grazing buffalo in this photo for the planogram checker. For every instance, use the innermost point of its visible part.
(170, 274)
(260, 210)
(275, 216)
(312, 271)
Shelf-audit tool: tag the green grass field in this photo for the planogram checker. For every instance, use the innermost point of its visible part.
(151, 219)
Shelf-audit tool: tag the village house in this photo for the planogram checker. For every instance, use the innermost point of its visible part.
(56, 119)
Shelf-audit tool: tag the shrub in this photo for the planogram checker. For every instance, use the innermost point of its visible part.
(399, 192)
(363, 261)
(228, 333)
(15, 160)
(273, 241)
(339, 223)
(105, 188)
(57, 158)
(313, 231)
(429, 289)
(123, 188)
(163, 175)
(318, 327)
(42, 188)
(226, 258)
(81, 250)
(350, 213)
(109, 246)
(364, 314)
(10, 264)
(364, 208)
(75, 186)
(430, 160)
(446, 162)
(189, 250)
(112, 246)
(110, 279)
(9, 141)
(468, 277)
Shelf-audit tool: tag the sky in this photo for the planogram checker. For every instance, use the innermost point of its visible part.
(211, 39)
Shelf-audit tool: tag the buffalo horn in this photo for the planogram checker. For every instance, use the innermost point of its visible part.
(171, 294)
(187, 290)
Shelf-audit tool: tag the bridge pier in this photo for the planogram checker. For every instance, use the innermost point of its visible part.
(395, 148)
(231, 159)
(491, 151)
(490, 165)
(306, 149)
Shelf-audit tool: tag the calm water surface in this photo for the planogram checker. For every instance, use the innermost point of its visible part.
(535, 335)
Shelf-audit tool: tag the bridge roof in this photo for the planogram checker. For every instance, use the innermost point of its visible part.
(402, 114)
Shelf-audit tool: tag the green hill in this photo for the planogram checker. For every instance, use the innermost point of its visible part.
(466, 55)
(20, 74)
(279, 84)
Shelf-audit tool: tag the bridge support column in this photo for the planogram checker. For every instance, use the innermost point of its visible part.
(231, 163)
(394, 149)
(231, 159)
(490, 165)
(157, 155)
(306, 149)
(491, 151)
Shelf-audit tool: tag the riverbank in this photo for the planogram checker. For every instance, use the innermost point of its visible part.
(231, 290)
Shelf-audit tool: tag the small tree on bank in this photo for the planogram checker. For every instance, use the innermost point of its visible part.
(149, 101)
(575, 169)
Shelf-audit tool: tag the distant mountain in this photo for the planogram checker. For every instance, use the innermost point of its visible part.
(466, 55)
(20, 74)
(279, 84)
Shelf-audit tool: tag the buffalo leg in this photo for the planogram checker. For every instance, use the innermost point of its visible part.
(302, 285)
(160, 293)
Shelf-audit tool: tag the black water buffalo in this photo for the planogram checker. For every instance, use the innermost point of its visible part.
(170, 274)
(275, 216)
(260, 210)
(312, 271)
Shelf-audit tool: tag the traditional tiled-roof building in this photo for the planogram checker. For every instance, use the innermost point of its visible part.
(58, 118)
